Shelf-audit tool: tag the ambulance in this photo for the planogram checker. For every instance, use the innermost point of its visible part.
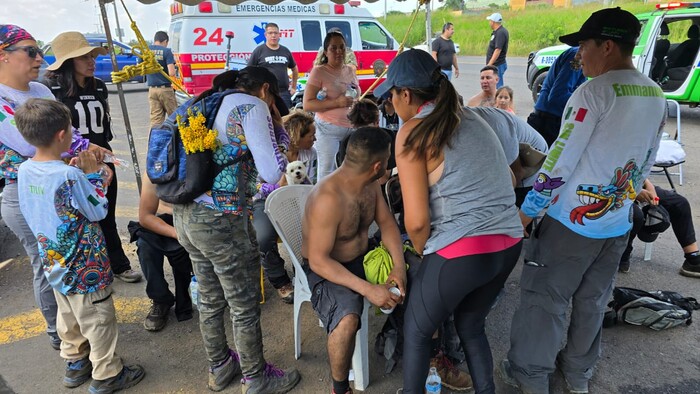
(201, 34)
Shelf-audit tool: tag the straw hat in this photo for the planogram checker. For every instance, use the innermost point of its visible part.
(70, 45)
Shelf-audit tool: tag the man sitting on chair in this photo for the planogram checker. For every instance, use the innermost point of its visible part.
(681, 219)
(336, 222)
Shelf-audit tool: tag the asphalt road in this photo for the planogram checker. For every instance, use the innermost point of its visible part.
(634, 359)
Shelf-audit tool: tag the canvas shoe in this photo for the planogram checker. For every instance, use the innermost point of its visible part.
(221, 375)
(272, 381)
(129, 276)
(157, 317)
(128, 377)
(452, 377)
(77, 372)
(690, 270)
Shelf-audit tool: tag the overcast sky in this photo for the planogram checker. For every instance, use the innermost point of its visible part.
(45, 19)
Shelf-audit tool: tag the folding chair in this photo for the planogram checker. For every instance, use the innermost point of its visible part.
(671, 152)
(285, 208)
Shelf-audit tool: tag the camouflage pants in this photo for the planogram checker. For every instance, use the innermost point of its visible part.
(225, 258)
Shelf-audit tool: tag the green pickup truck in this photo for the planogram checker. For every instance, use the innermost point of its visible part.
(667, 51)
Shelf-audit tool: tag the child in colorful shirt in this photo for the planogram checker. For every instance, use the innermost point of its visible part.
(72, 246)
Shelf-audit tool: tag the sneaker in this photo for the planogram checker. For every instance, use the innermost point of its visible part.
(690, 270)
(272, 381)
(624, 266)
(452, 377)
(286, 293)
(129, 276)
(55, 340)
(77, 372)
(157, 317)
(580, 388)
(221, 375)
(506, 374)
(128, 377)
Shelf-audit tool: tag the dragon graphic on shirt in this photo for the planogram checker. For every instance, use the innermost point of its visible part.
(597, 200)
(79, 247)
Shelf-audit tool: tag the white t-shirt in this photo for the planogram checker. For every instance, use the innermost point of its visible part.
(610, 133)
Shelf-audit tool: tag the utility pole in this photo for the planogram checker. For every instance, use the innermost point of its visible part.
(428, 26)
(119, 29)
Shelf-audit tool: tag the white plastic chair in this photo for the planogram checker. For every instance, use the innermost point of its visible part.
(671, 153)
(285, 208)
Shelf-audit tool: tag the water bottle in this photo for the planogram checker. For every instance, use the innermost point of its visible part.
(433, 384)
(351, 92)
(194, 291)
(321, 95)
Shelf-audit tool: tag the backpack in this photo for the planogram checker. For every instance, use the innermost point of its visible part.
(179, 178)
(657, 310)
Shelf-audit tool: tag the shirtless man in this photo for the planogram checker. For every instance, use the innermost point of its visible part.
(487, 96)
(336, 222)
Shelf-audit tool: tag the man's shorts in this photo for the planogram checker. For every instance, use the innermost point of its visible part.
(332, 302)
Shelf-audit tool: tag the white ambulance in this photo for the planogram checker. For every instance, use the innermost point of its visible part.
(199, 37)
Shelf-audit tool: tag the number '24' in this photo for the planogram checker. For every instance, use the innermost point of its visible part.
(216, 37)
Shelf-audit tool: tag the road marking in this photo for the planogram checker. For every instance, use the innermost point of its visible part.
(31, 324)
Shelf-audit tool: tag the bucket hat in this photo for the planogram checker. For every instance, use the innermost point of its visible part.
(70, 45)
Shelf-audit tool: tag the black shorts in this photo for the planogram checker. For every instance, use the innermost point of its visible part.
(332, 302)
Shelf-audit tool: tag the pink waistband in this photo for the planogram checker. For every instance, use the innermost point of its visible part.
(480, 244)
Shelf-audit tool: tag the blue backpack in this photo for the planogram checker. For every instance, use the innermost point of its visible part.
(179, 177)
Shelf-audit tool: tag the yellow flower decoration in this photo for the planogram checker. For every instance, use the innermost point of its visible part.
(195, 135)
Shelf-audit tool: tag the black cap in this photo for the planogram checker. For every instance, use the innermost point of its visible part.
(656, 221)
(609, 24)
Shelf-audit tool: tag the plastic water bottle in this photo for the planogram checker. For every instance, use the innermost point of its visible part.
(194, 291)
(433, 384)
(321, 95)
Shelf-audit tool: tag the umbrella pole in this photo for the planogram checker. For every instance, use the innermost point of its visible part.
(122, 100)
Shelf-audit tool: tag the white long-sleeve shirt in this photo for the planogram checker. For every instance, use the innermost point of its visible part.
(610, 133)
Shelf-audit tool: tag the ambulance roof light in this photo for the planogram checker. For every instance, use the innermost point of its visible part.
(354, 3)
(338, 9)
(205, 7)
(324, 9)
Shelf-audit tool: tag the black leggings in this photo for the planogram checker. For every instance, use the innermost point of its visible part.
(466, 287)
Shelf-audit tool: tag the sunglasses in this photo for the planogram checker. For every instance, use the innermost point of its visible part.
(31, 50)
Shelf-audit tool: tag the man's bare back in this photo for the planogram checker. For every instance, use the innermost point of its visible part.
(353, 213)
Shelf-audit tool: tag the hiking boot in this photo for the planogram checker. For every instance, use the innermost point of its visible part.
(221, 375)
(690, 270)
(55, 340)
(286, 293)
(624, 266)
(453, 378)
(77, 372)
(272, 381)
(157, 317)
(129, 276)
(128, 377)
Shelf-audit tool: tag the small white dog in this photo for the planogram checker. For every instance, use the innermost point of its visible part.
(296, 173)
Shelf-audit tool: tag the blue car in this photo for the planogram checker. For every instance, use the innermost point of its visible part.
(103, 63)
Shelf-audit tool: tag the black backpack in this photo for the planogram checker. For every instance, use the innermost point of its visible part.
(657, 310)
(179, 177)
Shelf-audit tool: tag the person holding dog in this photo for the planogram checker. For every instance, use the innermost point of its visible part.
(460, 216)
(301, 133)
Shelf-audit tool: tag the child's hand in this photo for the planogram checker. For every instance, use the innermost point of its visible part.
(87, 162)
(107, 174)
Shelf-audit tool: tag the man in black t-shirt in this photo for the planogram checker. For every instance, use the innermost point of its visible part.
(277, 58)
(443, 51)
(161, 96)
(498, 46)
